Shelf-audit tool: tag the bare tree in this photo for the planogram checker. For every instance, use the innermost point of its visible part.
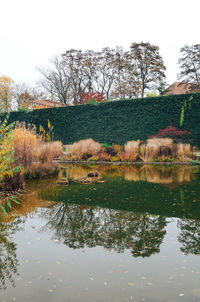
(110, 72)
(147, 66)
(57, 81)
(189, 65)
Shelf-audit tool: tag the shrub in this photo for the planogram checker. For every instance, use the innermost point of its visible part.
(128, 157)
(86, 155)
(104, 156)
(86, 145)
(114, 159)
(175, 134)
(10, 176)
(13, 182)
(94, 158)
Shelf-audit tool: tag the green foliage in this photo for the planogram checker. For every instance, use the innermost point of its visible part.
(105, 145)
(151, 94)
(93, 102)
(187, 103)
(23, 109)
(117, 122)
(7, 203)
(6, 150)
(47, 135)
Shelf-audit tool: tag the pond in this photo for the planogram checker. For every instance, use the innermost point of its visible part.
(133, 237)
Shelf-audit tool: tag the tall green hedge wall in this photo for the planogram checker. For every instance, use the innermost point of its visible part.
(119, 121)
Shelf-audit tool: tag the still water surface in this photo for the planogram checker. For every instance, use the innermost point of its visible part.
(134, 237)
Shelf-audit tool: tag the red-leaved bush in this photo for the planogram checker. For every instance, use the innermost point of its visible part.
(174, 133)
(93, 96)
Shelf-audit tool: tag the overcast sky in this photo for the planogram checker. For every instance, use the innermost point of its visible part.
(32, 31)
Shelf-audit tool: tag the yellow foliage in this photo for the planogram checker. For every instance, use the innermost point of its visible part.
(5, 93)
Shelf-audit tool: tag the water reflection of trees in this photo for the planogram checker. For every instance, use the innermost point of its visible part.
(189, 236)
(8, 256)
(79, 226)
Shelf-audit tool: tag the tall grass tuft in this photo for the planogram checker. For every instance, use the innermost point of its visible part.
(157, 148)
(184, 151)
(132, 147)
(24, 144)
(47, 151)
(86, 146)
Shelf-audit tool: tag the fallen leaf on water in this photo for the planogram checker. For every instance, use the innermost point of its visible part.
(130, 283)
(57, 262)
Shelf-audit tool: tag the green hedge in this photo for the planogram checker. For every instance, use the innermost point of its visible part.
(117, 122)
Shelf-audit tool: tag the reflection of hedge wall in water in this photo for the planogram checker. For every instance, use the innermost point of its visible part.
(118, 121)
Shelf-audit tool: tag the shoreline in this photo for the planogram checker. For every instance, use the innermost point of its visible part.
(125, 163)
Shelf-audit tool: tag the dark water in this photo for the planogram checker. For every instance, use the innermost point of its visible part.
(134, 237)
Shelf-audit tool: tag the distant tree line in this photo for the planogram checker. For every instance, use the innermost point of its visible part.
(77, 76)
(114, 73)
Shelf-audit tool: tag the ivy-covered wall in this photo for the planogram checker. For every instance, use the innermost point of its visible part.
(120, 121)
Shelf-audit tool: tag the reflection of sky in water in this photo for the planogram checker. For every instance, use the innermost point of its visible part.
(120, 254)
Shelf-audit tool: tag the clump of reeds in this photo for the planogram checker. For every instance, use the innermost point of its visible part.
(24, 144)
(47, 151)
(132, 147)
(86, 146)
(184, 151)
(157, 148)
